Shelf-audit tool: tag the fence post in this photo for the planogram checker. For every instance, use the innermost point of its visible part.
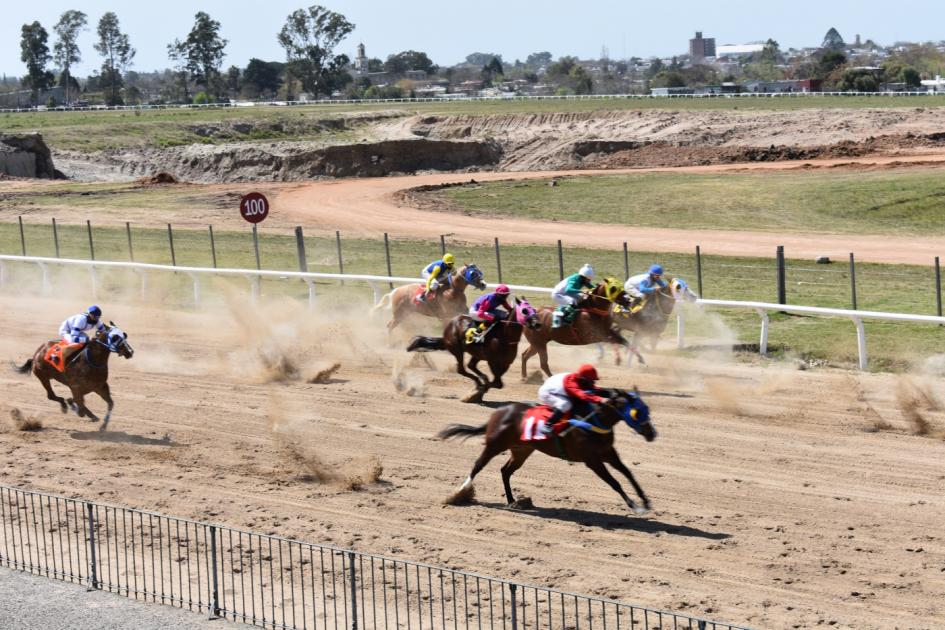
(88, 225)
(131, 250)
(300, 248)
(387, 256)
(782, 287)
(170, 242)
(341, 262)
(699, 270)
(560, 261)
(354, 591)
(215, 605)
(498, 259)
(626, 261)
(93, 562)
(22, 236)
(55, 236)
(853, 280)
(213, 247)
(513, 588)
(256, 245)
(938, 288)
(442, 244)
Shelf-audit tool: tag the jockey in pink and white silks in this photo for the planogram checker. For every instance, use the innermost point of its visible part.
(488, 309)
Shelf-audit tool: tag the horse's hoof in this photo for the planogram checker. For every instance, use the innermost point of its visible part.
(499, 385)
(525, 503)
(640, 510)
(473, 398)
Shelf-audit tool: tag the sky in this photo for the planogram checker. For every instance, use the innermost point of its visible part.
(448, 30)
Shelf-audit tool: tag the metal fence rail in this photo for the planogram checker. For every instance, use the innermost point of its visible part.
(278, 583)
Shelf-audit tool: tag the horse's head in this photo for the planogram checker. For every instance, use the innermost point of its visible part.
(611, 290)
(632, 410)
(473, 276)
(115, 340)
(525, 314)
(681, 292)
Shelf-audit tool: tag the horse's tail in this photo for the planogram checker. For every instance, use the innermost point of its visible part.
(461, 430)
(23, 369)
(384, 302)
(426, 344)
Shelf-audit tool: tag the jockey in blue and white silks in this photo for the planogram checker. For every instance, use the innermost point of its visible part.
(73, 329)
(643, 285)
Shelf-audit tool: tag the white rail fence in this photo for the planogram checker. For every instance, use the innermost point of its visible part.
(254, 277)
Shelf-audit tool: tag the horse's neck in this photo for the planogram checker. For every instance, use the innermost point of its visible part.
(98, 353)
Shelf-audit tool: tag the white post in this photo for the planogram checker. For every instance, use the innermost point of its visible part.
(45, 278)
(861, 342)
(196, 280)
(254, 287)
(311, 293)
(144, 284)
(94, 283)
(763, 342)
(3, 273)
(374, 289)
(680, 330)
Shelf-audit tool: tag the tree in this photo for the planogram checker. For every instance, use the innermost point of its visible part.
(202, 52)
(35, 54)
(833, 40)
(66, 50)
(309, 38)
(656, 66)
(481, 59)
(771, 53)
(910, 76)
(567, 72)
(409, 60)
(829, 62)
(375, 65)
(234, 81)
(538, 59)
(113, 45)
(263, 78)
(668, 78)
(492, 71)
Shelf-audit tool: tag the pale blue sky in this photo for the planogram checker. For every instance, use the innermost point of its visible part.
(448, 31)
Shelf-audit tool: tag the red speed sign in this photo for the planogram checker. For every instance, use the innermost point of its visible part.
(254, 207)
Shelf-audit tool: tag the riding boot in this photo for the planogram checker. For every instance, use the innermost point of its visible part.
(548, 428)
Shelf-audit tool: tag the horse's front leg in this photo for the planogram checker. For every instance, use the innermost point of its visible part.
(80, 408)
(614, 460)
(616, 338)
(105, 393)
(598, 467)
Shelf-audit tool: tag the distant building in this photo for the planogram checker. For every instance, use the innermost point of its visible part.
(740, 50)
(782, 87)
(361, 62)
(672, 91)
(415, 75)
(701, 47)
(934, 85)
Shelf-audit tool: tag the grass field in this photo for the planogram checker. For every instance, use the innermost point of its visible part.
(89, 131)
(851, 202)
(880, 287)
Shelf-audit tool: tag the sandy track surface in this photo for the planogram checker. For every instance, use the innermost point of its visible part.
(773, 504)
(370, 206)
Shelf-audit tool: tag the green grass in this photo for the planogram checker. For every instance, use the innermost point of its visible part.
(124, 195)
(892, 346)
(857, 202)
(89, 131)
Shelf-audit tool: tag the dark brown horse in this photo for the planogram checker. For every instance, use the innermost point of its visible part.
(86, 372)
(444, 305)
(649, 322)
(592, 324)
(593, 446)
(498, 348)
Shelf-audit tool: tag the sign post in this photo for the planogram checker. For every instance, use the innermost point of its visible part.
(254, 207)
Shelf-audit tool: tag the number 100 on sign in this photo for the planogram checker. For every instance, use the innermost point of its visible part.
(254, 207)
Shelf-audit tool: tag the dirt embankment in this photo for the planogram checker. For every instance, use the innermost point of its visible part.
(26, 155)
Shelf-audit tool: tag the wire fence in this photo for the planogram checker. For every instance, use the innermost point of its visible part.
(913, 289)
(278, 583)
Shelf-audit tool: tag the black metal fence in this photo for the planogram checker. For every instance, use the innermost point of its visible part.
(274, 582)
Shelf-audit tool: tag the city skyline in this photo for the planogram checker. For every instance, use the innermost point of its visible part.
(513, 31)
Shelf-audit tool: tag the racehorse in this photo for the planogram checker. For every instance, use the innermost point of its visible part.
(650, 321)
(444, 305)
(86, 372)
(498, 348)
(505, 431)
(592, 324)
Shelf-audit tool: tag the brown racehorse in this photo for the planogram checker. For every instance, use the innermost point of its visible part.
(86, 372)
(446, 304)
(649, 322)
(593, 324)
(498, 348)
(594, 447)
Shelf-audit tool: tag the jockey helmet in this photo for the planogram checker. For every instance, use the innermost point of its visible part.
(502, 290)
(587, 372)
(656, 270)
(449, 259)
(587, 271)
(94, 312)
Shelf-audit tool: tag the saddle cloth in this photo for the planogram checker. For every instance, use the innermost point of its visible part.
(54, 356)
(534, 421)
(419, 293)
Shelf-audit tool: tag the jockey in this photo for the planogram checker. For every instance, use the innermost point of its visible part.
(485, 310)
(643, 285)
(569, 292)
(72, 330)
(562, 391)
(436, 273)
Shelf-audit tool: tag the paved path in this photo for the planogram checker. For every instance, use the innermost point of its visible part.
(30, 602)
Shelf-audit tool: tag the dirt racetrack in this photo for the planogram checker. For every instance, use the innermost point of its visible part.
(782, 498)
